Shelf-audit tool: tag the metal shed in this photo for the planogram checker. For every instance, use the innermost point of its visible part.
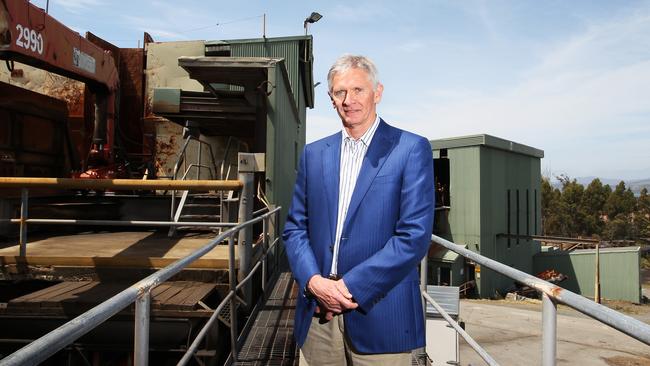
(620, 275)
(488, 198)
(255, 91)
(446, 268)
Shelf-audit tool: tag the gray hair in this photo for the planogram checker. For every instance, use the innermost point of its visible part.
(347, 62)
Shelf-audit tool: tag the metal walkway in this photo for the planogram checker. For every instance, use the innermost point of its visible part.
(270, 341)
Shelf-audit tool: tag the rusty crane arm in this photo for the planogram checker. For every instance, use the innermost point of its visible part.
(30, 36)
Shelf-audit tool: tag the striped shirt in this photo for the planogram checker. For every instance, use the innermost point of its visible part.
(352, 154)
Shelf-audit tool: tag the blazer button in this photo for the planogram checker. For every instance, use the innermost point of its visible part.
(332, 248)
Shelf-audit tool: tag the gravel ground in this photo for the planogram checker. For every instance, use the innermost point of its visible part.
(511, 333)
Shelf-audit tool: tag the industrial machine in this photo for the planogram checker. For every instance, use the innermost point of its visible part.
(30, 36)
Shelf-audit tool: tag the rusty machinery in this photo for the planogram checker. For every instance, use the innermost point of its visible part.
(30, 36)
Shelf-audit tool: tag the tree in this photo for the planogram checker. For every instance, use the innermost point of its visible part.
(620, 201)
(621, 227)
(642, 215)
(551, 222)
(596, 210)
(593, 203)
(571, 208)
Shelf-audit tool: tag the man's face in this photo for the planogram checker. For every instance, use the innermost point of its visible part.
(353, 97)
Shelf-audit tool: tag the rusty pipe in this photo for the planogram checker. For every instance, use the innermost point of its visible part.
(121, 184)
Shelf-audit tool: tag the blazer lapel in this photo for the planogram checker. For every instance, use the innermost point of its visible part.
(331, 158)
(379, 149)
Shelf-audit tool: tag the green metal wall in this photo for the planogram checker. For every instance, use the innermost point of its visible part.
(284, 142)
(464, 196)
(619, 271)
(502, 172)
(287, 105)
(620, 277)
(288, 48)
(479, 179)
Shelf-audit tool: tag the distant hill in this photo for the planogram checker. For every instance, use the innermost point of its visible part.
(636, 185)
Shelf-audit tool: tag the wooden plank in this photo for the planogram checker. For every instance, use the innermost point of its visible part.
(174, 288)
(159, 289)
(55, 301)
(172, 302)
(40, 296)
(75, 297)
(120, 261)
(42, 292)
(88, 297)
(202, 292)
(189, 297)
(165, 288)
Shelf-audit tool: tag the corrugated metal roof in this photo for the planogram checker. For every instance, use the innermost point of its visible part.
(443, 254)
(447, 297)
(252, 62)
(296, 51)
(486, 140)
(258, 40)
(592, 251)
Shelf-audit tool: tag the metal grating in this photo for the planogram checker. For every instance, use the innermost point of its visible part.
(270, 341)
(224, 315)
(448, 297)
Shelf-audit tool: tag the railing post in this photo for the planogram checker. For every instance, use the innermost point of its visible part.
(273, 235)
(198, 173)
(233, 299)
(248, 164)
(597, 276)
(424, 269)
(265, 246)
(142, 317)
(422, 352)
(23, 221)
(549, 329)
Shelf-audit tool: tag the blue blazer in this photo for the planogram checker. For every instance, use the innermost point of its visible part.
(386, 233)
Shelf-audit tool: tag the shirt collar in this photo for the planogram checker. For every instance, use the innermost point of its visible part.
(366, 138)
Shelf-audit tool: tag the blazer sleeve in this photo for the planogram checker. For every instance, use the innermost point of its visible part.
(372, 279)
(296, 230)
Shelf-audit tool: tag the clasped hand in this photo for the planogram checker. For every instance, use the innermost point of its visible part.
(333, 296)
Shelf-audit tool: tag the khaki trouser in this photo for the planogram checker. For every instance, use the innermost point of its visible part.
(326, 345)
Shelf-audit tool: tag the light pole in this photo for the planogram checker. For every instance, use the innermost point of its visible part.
(313, 18)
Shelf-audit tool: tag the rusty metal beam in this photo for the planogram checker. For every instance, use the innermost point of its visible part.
(30, 36)
(121, 184)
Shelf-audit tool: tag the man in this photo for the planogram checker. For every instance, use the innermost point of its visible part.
(360, 222)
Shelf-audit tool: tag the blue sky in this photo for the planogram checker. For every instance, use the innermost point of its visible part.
(569, 77)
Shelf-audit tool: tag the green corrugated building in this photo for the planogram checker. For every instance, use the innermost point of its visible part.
(254, 91)
(620, 273)
(488, 198)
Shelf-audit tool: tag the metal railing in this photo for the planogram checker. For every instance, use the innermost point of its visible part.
(102, 184)
(472, 343)
(551, 295)
(140, 293)
(198, 165)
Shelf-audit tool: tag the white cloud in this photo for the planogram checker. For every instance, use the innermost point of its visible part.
(585, 103)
